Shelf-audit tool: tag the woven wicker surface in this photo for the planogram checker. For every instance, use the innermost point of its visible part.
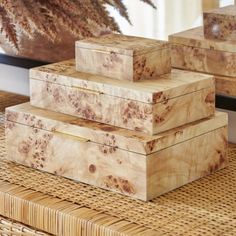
(8, 226)
(204, 207)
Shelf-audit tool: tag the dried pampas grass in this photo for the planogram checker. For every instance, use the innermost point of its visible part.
(83, 18)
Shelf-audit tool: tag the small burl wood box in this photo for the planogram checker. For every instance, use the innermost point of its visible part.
(190, 50)
(127, 162)
(150, 106)
(123, 57)
(220, 23)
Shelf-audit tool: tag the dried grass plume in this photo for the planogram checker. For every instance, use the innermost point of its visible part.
(83, 18)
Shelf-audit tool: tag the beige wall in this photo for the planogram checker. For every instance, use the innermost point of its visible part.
(171, 16)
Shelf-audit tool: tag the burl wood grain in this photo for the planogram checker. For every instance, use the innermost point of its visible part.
(128, 173)
(110, 135)
(129, 114)
(146, 106)
(220, 23)
(226, 85)
(100, 165)
(179, 111)
(198, 54)
(195, 38)
(123, 57)
(186, 162)
(172, 85)
(122, 44)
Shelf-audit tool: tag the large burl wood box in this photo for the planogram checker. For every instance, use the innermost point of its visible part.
(220, 23)
(190, 50)
(128, 162)
(123, 57)
(150, 106)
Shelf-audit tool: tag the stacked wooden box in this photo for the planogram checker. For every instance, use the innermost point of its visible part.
(120, 119)
(210, 49)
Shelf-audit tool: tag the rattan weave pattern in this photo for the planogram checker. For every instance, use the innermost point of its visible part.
(9, 227)
(204, 207)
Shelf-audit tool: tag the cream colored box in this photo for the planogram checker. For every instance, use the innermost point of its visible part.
(123, 57)
(190, 50)
(150, 106)
(127, 162)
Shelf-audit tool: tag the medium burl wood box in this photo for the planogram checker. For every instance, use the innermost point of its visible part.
(124, 161)
(190, 50)
(123, 57)
(220, 23)
(150, 106)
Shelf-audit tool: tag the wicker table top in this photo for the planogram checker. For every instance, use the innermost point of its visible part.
(63, 207)
(9, 226)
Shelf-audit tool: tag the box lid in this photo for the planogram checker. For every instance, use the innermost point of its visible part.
(168, 86)
(107, 135)
(122, 44)
(225, 11)
(195, 38)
